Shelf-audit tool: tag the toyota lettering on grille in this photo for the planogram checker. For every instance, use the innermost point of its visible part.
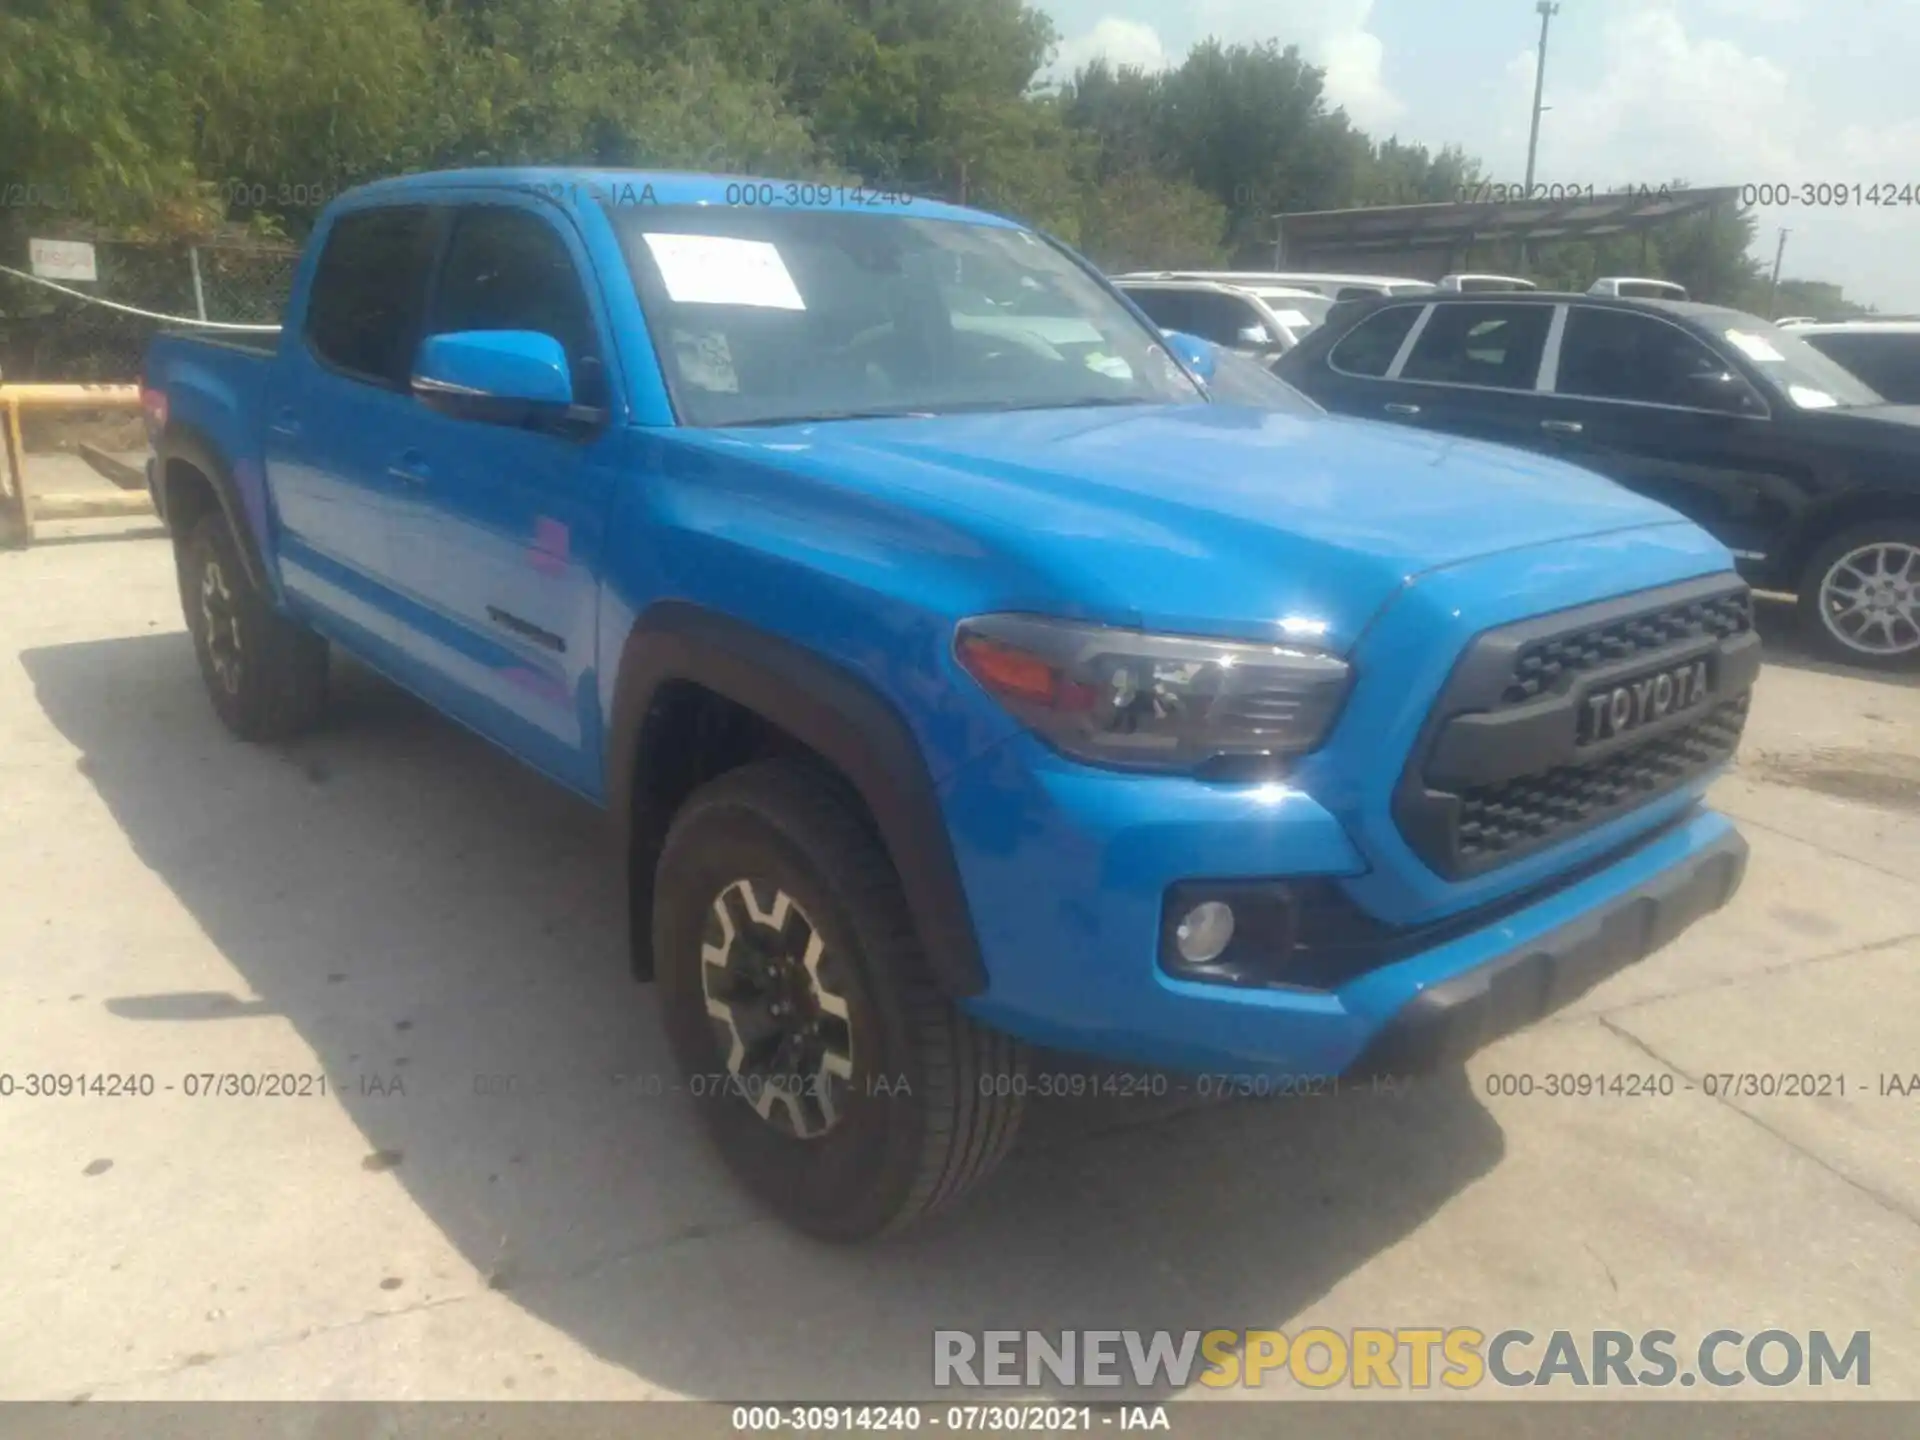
(1616, 709)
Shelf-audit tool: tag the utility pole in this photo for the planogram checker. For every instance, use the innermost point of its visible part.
(1773, 286)
(1548, 9)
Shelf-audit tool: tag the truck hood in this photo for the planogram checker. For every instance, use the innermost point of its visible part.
(1211, 519)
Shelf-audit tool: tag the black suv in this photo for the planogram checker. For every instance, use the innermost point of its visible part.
(1811, 478)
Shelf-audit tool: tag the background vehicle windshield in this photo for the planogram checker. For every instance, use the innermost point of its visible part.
(1809, 380)
(766, 316)
(1299, 313)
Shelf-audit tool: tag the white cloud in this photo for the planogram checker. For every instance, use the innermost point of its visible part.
(1331, 33)
(1120, 42)
(1664, 102)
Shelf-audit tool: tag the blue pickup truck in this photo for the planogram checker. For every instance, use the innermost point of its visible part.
(964, 678)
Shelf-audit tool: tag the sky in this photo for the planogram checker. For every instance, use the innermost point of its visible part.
(1715, 92)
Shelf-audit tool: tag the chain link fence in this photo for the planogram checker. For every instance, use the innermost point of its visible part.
(50, 337)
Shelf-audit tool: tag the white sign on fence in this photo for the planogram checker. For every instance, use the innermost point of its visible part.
(62, 259)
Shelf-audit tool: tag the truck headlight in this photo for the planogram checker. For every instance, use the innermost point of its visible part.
(1154, 702)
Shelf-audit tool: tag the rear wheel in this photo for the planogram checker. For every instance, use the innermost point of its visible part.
(266, 675)
(1860, 596)
(839, 1084)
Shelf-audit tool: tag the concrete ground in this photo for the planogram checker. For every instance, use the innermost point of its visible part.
(394, 905)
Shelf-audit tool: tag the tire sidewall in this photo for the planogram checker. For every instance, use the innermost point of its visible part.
(210, 542)
(847, 1183)
(1812, 617)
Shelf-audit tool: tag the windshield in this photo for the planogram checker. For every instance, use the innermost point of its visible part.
(1809, 380)
(1238, 380)
(761, 317)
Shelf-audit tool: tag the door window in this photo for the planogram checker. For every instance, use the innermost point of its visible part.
(1221, 318)
(367, 292)
(1496, 346)
(508, 269)
(1620, 355)
(1166, 308)
(1369, 349)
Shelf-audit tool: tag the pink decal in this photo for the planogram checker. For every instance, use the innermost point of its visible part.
(551, 542)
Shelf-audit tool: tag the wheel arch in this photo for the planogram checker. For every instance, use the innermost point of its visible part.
(1857, 507)
(680, 655)
(189, 467)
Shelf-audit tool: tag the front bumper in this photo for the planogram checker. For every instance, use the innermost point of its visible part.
(1446, 1022)
(1068, 904)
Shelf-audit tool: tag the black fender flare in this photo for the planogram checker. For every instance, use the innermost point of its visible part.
(192, 446)
(832, 712)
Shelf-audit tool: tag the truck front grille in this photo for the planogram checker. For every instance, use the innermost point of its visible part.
(1505, 766)
(1543, 666)
(1532, 810)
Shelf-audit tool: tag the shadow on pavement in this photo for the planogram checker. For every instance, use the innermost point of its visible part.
(415, 903)
(1786, 643)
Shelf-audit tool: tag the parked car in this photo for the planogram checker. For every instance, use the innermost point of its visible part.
(1223, 314)
(952, 691)
(1803, 470)
(1629, 287)
(1883, 353)
(1480, 284)
(1334, 287)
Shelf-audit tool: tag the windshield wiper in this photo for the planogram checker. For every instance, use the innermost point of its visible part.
(826, 415)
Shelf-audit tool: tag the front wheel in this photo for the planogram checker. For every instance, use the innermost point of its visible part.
(1860, 596)
(841, 1087)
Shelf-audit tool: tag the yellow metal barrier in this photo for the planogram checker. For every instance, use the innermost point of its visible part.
(20, 508)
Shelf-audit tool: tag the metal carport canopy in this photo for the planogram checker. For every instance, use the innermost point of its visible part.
(1451, 226)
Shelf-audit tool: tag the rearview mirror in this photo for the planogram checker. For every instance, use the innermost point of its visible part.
(503, 377)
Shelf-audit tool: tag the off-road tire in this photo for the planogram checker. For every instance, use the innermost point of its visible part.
(266, 675)
(934, 1100)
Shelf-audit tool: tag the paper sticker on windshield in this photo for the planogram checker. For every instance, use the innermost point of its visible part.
(705, 360)
(1808, 398)
(1754, 347)
(722, 270)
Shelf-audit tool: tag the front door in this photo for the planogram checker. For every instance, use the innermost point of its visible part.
(499, 535)
(1646, 402)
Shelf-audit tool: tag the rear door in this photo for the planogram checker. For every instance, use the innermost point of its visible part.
(1649, 403)
(1473, 369)
(337, 403)
(1346, 376)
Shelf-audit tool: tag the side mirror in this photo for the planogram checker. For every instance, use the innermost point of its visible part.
(1254, 337)
(1724, 391)
(1197, 355)
(503, 377)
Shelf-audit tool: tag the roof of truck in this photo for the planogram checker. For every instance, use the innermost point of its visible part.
(622, 188)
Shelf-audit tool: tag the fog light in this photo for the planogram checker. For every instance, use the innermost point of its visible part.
(1204, 932)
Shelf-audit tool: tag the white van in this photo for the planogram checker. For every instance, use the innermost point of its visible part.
(1634, 287)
